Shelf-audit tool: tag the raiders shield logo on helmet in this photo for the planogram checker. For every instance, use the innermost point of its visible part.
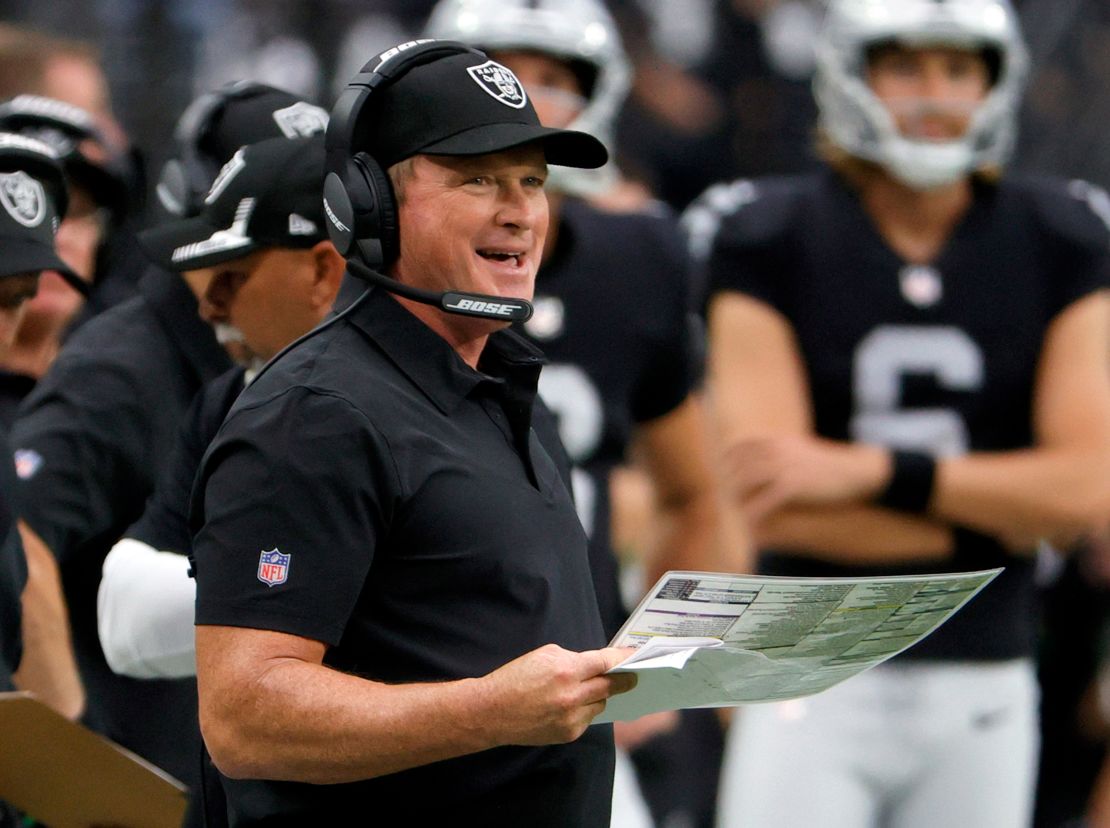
(23, 197)
(499, 82)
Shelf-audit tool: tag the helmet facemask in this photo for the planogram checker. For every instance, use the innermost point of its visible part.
(856, 120)
(580, 33)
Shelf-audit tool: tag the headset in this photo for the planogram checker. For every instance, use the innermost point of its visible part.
(184, 181)
(359, 202)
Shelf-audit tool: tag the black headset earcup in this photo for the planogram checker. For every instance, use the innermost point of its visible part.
(385, 235)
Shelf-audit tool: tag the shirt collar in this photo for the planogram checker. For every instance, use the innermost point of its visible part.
(431, 364)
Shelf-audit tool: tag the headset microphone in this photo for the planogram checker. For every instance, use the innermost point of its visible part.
(453, 301)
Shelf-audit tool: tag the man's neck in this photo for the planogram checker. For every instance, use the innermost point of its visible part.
(467, 335)
(916, 224)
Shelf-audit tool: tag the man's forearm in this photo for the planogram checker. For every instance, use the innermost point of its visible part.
(48, 667)
(854, 535)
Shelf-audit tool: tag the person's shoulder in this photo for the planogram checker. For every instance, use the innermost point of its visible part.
(120, 351)
(653, 218)
(646, 239)
(748, 212)
(1074, 213)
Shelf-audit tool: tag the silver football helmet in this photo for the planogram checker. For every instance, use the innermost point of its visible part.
(581, 31)
(855, 120)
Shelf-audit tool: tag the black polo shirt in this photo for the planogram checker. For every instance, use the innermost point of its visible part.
(91, 440)
(371, 491)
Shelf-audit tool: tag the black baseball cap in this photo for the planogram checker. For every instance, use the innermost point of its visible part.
(464, 104)
(216, 124)
(270, 194)
(245, 112)
(32, 196)
(86, 155)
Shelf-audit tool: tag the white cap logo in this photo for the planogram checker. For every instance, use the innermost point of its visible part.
(23, 197)
(301, 120)
(500, 83)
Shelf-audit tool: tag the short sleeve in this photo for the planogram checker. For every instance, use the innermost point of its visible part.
(79, 440)
(1080, 258)
(290, 503)
(740, 237)
(164, 523)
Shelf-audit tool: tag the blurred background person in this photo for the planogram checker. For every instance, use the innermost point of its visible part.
(95, 433)
(98, 204)
(34, 635)
(908, 356)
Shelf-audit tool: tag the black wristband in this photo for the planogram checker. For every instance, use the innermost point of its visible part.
(911, 482)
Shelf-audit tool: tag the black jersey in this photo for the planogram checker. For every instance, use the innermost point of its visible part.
(940, 358)
(611, 318)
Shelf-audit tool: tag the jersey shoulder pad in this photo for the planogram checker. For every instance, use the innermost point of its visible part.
(748, 212)
(1075, 213)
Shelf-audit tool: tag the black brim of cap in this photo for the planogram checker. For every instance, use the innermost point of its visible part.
(561, 147)
(193, 243)
(26, 256)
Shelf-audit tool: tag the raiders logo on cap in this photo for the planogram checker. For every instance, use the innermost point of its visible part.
(301, 120)
(23, 197)
(499, 82)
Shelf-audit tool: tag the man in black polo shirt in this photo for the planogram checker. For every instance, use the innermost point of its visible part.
(393, 586)
(91, 439)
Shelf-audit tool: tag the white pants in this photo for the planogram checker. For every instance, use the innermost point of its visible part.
(911, 745)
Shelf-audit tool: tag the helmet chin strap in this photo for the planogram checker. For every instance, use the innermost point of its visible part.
(457, 302)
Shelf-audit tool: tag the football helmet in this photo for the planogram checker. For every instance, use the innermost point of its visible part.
(581, 32)
(854, 118)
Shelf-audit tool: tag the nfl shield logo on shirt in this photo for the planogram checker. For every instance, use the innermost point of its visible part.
(273, 567)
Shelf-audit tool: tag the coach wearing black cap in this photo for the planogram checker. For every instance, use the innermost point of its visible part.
(95, 433)
(393, 600)
(32, 197)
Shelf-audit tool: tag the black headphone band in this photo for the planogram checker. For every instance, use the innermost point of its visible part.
(192, 171)
(376, 74)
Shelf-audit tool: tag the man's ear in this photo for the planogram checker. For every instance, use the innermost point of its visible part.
(329, 269)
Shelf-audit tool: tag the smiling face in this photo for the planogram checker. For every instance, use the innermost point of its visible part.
(933, 92)
(474, 223)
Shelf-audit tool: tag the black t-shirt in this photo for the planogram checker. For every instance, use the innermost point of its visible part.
(165, 521)
(370, 491)
(90, 442)
(13, 571)
(611, 317)
(940, 359)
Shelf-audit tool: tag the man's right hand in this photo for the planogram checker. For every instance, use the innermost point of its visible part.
(550, 695)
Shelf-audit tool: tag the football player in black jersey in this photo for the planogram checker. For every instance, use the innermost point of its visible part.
(909, 354)
(611, 299)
